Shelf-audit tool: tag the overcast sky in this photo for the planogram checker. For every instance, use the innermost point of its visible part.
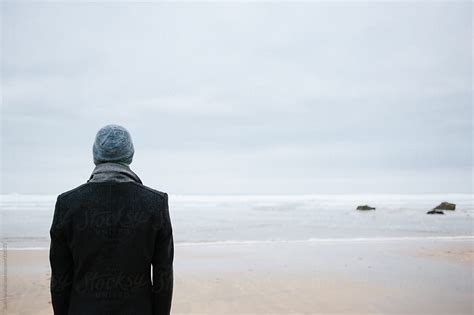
(241, 98)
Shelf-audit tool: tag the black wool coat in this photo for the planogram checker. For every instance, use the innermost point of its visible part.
(105, 238)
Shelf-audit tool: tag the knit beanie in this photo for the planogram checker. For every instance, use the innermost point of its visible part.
(113, 143)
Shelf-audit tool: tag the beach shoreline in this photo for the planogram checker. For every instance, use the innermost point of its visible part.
(398, 277)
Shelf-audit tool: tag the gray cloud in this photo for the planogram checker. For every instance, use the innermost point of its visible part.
(241, 97)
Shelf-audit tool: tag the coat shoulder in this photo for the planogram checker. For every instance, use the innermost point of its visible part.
(76, 192)
(72, 191)
(161, 194)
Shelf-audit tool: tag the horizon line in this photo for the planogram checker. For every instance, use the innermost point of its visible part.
(269, 194)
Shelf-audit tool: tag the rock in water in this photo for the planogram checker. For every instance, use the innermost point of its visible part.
(435, 211)
(445, 206)
(365, 207)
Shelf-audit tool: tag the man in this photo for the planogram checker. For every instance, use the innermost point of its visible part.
(105, 236)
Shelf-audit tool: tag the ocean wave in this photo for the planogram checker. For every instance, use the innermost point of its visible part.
(334, 239)
(310, 240)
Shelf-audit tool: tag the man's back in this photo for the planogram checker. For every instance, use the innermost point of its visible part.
(104, 238)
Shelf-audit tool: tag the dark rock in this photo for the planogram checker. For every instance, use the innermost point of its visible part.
(365, 207)
(445, 206)
(435, 211)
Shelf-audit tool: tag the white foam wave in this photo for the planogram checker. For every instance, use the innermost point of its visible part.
(311, 240)
(335, 239)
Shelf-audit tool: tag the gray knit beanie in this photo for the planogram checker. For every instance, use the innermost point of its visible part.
(113, 143)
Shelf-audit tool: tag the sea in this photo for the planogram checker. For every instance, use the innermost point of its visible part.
(25, 220)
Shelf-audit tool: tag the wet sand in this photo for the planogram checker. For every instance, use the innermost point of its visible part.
(365, 277)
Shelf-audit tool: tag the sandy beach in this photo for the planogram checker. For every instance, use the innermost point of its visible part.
(345, 277)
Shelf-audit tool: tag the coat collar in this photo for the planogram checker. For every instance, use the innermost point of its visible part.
(113, 172)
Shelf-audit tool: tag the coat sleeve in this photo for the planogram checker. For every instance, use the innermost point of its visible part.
(162, 262)
(61, 262)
